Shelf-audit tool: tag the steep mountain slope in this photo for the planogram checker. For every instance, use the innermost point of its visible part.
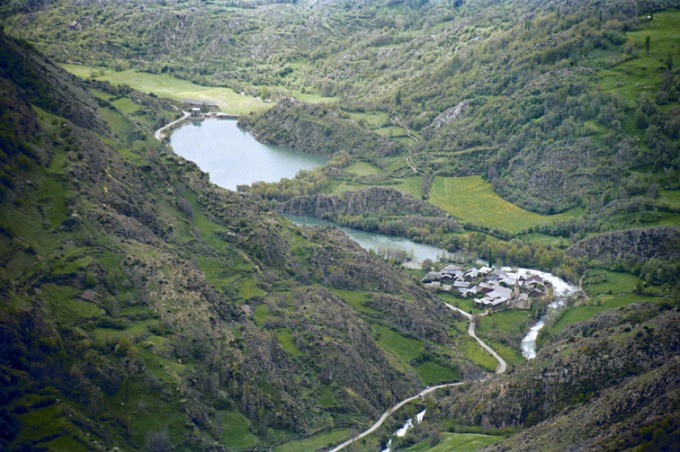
(552, 102)
(609, 383)
(144, 307)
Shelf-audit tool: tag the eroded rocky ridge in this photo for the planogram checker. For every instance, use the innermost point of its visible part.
(639, 243)
(315, 129)
(371, 200)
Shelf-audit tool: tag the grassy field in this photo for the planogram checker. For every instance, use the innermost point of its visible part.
(432, 373)
(598, 281)
(459, 442)
(363, 169)
(285, 338)
(472, 200)
(403, 347)
(509, 320)
(410, 185)
(236, 433)
(344, 186)
(316, 442)
(510, 355)
(356, 299)
(670, 198)
(167, 86)
(596, 305)
(475, 353)
(643, 73)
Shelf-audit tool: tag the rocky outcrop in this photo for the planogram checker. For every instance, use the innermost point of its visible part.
(403, 304)
(344, 351)
(450, 115)
(640, 244)
(47, 86)
(631, 415)
(316, 129)
(372, 200)
(619, 370)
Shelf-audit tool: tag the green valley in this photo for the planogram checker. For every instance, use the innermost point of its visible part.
(143, 307)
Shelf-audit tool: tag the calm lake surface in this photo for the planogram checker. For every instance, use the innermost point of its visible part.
(233, 157)
(382, 245)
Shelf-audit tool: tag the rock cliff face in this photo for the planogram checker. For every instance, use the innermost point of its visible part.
(640, 243)
(372, 200)
(48, 86)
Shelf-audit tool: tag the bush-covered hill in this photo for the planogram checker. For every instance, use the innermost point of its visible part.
(552, 102)
(609, 383)
(141, 306)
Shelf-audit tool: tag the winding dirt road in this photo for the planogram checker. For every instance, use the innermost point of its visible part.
(502, 366)
(158, 134)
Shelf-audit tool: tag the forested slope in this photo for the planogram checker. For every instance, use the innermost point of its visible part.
(554, 103)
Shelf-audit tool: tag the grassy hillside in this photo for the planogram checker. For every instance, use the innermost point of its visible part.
(144, 308)
(173, 88)
(472, 200)
(139, 297)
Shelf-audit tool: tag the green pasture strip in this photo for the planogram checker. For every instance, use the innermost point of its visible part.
(164, 85)
(459, 442)
(432, 373)
(410, 185)
(285, 338)
(599, 281)
(472, 200)
(235, 430)
(363, 169)
(321, 441)
(475, 353)
(670, 199)
(509, 320)
(595, 305)
(643, 72)
(402, 347)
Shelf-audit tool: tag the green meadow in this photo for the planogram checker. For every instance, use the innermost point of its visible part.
(472, 200)
(459, 442)
(164, 85)
(316, 442)
(641, 73)
(595, 306)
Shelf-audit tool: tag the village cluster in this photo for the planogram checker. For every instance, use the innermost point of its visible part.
(493, 288)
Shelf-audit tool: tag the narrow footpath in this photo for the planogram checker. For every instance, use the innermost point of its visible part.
(159, 133)
(502, 366)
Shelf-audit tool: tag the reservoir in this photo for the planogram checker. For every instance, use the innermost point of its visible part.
(233, 157)
(381, 244)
